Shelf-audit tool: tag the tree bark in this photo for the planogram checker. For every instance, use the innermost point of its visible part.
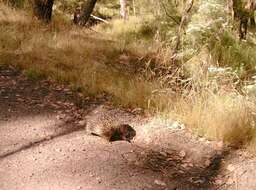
(77, 15)
(134, 7)
(237, 8)
(243, 11)
(87, 11)
(43, 9)
(123, 10)
(251, 7)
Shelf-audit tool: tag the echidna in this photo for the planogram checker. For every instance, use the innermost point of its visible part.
(110, 125)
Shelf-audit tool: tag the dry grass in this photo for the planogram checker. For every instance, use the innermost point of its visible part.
(69, 54)
(220, 117)
(224, 115)
(90, 61)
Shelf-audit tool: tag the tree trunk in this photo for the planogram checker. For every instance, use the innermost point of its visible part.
(77, 16)
(183, 21)
(134, 7)
(86, 12)
(238, 9)
(251, 7)
(123, 10)
(43, 9)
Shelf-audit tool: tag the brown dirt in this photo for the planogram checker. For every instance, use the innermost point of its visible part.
(43, 145)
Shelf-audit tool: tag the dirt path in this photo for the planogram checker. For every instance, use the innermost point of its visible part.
(43, 146)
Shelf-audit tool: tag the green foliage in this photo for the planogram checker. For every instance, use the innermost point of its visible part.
(134, 29)
(151, 17)
(67, 6)
(34, 74)
(229, 52)
(205, 22)
(16, 3)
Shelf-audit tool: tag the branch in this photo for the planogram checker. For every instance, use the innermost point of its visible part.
(167, 14)
(100, 19)
(182, 23)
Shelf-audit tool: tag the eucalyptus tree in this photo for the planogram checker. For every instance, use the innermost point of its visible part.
(87, 10)
(123, 9)
(43, 9)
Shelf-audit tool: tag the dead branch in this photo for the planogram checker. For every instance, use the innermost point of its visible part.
(100, 19)
(167, 14)
(184, 17)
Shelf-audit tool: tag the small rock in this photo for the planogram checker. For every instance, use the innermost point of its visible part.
(176, 125)
(58, 149)
(163, 153)
(61, 116)
(158, 182)
(73, 170)
(82, 123)
(184, 165)
(182, 154)
(230, 167)
(230, 181)
(98, 180)
(199, 181)
(122, 182)
(137, 111)
(219, 146)
(202, 139)
(218, 182)
(69, 119)
(181, 172)
(207, 163)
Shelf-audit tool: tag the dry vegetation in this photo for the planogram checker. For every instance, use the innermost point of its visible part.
(94, 63)
(69, 54)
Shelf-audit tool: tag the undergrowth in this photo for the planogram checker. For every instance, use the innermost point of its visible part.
(230, 52)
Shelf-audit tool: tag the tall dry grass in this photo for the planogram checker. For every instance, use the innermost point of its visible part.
(69, 54)
(228, 118)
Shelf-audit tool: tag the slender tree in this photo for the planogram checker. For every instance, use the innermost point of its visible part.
(183, 21)
(86, 11)
(243, 11)
(43, 9)
(123, 10)
(251, 7)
